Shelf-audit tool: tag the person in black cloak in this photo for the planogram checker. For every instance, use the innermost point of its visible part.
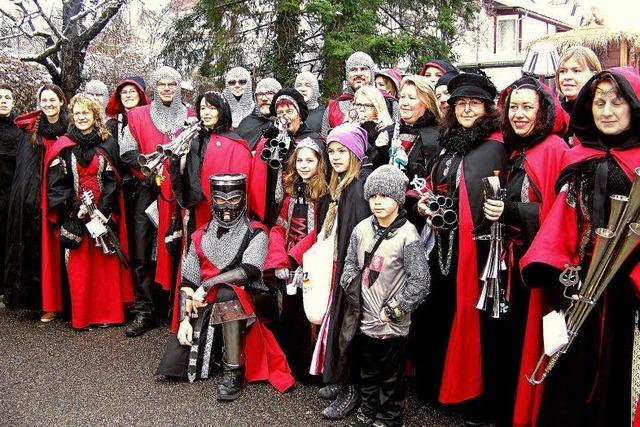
(23, 251)
(10, 136)
(251, 127)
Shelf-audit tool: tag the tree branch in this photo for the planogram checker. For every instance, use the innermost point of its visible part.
(101, 22)
(48, 21)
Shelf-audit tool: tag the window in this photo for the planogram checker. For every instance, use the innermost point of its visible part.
(507, 34)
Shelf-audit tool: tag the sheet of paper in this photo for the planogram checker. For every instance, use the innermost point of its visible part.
(555, 334)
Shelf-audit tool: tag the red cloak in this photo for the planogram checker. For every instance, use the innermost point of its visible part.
(148, 137)
(90, 303)
(264, 357)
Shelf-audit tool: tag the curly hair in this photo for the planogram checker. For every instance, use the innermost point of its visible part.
(485, 124)
(544, 117)
(317, 185)
(98, 117)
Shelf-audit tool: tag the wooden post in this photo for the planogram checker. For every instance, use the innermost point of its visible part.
(624, 53)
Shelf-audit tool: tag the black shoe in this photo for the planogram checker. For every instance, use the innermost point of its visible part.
(346, 402)
(140, 325)
(330, 391)
(361, 421)
(232, 384)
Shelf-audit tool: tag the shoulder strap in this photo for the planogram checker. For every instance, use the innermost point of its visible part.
(383, 236)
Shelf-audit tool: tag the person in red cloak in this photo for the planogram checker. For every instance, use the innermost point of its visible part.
(533, 124)
(149, 126)
(304, 183)
(81, 163)
(215, 150)
(453, 347)
(24, 261)
(265, 186)
(222, 289)
(590, 384)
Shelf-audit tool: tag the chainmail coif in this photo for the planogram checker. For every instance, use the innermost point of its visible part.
(240, 108)
(168, 119)
(312, 80)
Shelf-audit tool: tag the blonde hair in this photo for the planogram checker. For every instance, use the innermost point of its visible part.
(583, 56)
(375, 97)
(338, 183)
(317, 185)
(425, 93)
(98, 123)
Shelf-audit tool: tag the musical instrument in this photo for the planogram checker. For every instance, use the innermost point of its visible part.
(490, 276)
(178, 146)
(613, 245)
(275, 150)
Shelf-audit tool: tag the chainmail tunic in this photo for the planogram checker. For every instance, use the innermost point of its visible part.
(635, 368)
(222, 251)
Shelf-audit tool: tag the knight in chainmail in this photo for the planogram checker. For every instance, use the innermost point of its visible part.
(97, 91)
(251, 127)
(224, 267)
(147, 127)
(359, 71)
(307, 84)
(239, 94)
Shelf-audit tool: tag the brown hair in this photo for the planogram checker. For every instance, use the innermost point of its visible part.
(5, 86)
(544, 118)
(96, 109)
(606, 77)
(317, 185)
(337, 183)
(583, 55)
(60, 94)
(487, 123)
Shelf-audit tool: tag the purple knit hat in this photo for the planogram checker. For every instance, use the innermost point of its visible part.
(351, 136)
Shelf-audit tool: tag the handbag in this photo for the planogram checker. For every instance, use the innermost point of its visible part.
(317, 266)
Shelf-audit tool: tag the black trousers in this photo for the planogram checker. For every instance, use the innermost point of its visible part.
(381, 382)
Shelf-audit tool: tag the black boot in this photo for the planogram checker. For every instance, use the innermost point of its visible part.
(232, 384)
(141, 324)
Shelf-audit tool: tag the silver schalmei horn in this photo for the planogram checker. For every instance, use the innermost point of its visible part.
(275, 150)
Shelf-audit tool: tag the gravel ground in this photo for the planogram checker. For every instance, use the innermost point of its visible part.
(51, 374)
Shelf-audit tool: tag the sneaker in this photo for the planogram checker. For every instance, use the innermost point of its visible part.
(330, 391)
(346, 402)
(47, 317)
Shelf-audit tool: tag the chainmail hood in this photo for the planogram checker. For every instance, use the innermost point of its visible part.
(358, 59)
(268, 85)
(168, 119)
(312, 80)
(240, 108)
(97, 87)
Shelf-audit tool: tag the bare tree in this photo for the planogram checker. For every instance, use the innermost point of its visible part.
(58, 38)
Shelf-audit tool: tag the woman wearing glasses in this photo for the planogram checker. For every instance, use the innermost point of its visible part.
(369, 110)
(454, 354)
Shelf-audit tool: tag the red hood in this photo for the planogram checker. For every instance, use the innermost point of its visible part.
(27, 121)
(114, 106)
(557, 115)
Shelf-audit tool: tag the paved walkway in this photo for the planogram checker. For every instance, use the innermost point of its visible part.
(52, 375)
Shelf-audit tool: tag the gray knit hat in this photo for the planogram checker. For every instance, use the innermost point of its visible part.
(387, 180)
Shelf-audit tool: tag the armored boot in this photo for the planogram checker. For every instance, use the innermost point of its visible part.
(230, 388)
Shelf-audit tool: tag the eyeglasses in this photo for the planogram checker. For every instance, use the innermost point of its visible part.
(360, 106)
(129, 92)
(471, 103)
(233, 82)
(168, 85)
(261, 94)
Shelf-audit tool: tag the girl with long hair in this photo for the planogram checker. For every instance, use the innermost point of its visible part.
(22, 267)
(82, 192)
(304, 184)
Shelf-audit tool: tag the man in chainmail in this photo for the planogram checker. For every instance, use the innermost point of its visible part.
(251, 127)
(149, 126)
(221, 281)
(238, 93)
(359, 71)
(307, 84)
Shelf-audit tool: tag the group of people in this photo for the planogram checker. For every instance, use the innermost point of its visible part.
(420, 228)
